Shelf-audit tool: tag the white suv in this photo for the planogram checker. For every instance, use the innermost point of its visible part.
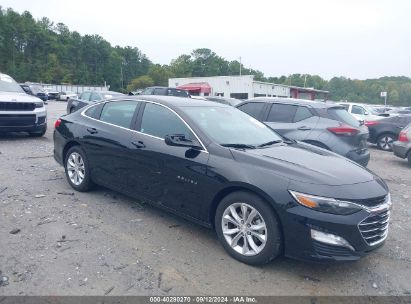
(20, 111)
(360, 111)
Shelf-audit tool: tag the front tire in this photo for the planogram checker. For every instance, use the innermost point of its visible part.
(248, 228)
(77, 169)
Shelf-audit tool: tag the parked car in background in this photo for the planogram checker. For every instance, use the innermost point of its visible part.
(219, 167)
(66, 95)
(224, 100)
(51, 94)
(402, 147)
(20, 111)
(360, 111)
(384, 132)
(164, 91)
(89, 97)
(35, 90)
(325, 125)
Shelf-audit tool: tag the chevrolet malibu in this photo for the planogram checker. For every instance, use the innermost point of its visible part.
(211, 163)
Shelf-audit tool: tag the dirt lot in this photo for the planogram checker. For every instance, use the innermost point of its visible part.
(102, 242)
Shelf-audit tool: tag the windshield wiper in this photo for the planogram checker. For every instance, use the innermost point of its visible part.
(269, 143)
(239, 146)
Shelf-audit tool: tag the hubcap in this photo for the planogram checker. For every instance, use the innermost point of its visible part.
(386, 142)
(244, 229)
(75, 168)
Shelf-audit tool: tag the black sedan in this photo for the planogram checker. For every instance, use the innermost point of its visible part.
(384, 132)
(215, 165)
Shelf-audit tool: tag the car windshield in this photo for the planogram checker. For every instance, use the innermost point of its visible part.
(230, 126)
(7, 84)
(342, 115)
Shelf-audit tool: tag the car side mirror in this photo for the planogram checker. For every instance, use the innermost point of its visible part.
(180, 140)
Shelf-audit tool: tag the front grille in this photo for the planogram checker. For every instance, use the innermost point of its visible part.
(331, 250)
(374, 229)
(371, 202)
(16, 106)
(16, 120)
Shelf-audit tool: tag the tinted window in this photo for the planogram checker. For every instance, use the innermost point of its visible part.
(252, 108)
(147, 91)
(159, 91)
(358, 110)
(96, 97)
(85, 96)
(282, 113)
(302, 113)
(159, 121)
(119, 113)
(342, 115)
(93, 112)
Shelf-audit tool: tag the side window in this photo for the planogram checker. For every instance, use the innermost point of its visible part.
(96, 97)
(119, 113)
(93, 112)
(85, 96)
(148, 91)
(282, 113)
(159, 121)
(302, 113)
(252, 108)
(159, 91)
(357, 110)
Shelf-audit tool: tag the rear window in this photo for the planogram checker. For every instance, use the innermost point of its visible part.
(342, 115)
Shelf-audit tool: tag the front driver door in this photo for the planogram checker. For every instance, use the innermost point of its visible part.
(171, 176)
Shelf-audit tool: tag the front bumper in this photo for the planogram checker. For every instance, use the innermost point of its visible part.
(23, 121)
(361, 156)
(401, 149)
(361, 230)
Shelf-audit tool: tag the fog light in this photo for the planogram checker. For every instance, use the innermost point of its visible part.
(329, 238)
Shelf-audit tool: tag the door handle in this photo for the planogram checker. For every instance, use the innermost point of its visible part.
(304, 128)
(92, 130)
(138, 144)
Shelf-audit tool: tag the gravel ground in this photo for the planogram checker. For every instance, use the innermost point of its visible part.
(103, 243)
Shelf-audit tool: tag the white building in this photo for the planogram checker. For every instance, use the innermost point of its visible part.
(241, 87)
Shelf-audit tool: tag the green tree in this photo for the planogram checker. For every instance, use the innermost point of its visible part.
(140, 83)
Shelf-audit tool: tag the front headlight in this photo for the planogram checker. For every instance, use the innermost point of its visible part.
(39, 104)
(324, 204)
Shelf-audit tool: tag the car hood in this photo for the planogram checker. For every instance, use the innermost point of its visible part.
(17, 97)
(306, 163)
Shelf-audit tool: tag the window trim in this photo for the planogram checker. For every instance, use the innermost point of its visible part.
(140, 111)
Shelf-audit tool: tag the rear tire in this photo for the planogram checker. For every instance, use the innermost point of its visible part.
(385, 141)
(77, 169)
(253, 239)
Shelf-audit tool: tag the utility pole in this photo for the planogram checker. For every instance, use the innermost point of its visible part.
(305, 80)
(240, 65)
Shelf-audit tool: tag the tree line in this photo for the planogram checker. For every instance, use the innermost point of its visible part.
(41, 51)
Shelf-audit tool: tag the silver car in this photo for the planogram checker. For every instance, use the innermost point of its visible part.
(321, 124)
(20, 111)
(402, 147)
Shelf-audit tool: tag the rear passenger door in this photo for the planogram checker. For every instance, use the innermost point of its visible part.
(292, 121)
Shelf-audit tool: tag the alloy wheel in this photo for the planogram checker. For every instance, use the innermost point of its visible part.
(75, 168)
(244, 229)
(385, 142)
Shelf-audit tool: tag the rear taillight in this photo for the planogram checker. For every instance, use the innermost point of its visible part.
(371, 123)
(403, 137)
(344, 130)
(57, 123)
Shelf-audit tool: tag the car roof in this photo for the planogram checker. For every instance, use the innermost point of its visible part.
(294, 101)
(174, 102)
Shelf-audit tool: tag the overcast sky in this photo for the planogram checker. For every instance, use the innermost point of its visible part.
(354, 38)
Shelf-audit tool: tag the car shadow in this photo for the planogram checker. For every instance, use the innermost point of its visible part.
(14, 136)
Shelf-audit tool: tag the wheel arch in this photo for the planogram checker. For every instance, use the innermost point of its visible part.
(67, 147)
